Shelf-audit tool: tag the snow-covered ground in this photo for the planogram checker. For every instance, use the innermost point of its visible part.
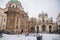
(51, 37)
(17, 37)
(30, 37)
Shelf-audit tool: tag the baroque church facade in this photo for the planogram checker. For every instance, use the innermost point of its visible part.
(17, 20)
(45, 24)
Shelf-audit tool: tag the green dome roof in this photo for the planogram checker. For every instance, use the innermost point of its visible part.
(15, 1)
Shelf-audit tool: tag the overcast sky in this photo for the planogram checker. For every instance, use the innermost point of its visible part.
(34, 7)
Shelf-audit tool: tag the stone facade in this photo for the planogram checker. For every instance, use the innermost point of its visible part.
(3, 20)
(32, 23)
(58, 22)
(17, 18)
(44, 23)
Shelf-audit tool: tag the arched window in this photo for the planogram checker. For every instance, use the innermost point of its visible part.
(13, 6)
(16, 6)
(9, 5)
(4, 19)
(43, 20)
(17, 26)
(21, 30)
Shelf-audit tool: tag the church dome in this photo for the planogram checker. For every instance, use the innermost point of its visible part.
(15, 1)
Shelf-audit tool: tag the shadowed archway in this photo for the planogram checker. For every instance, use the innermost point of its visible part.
(50, 28)
(43, 28)
(37, 29)
(21, 30)
(32, 29)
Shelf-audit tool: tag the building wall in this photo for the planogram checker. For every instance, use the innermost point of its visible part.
(58, 19)
(17, 18)
(43, 19)
(58, 22)
(3, 19)
(32, 23)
